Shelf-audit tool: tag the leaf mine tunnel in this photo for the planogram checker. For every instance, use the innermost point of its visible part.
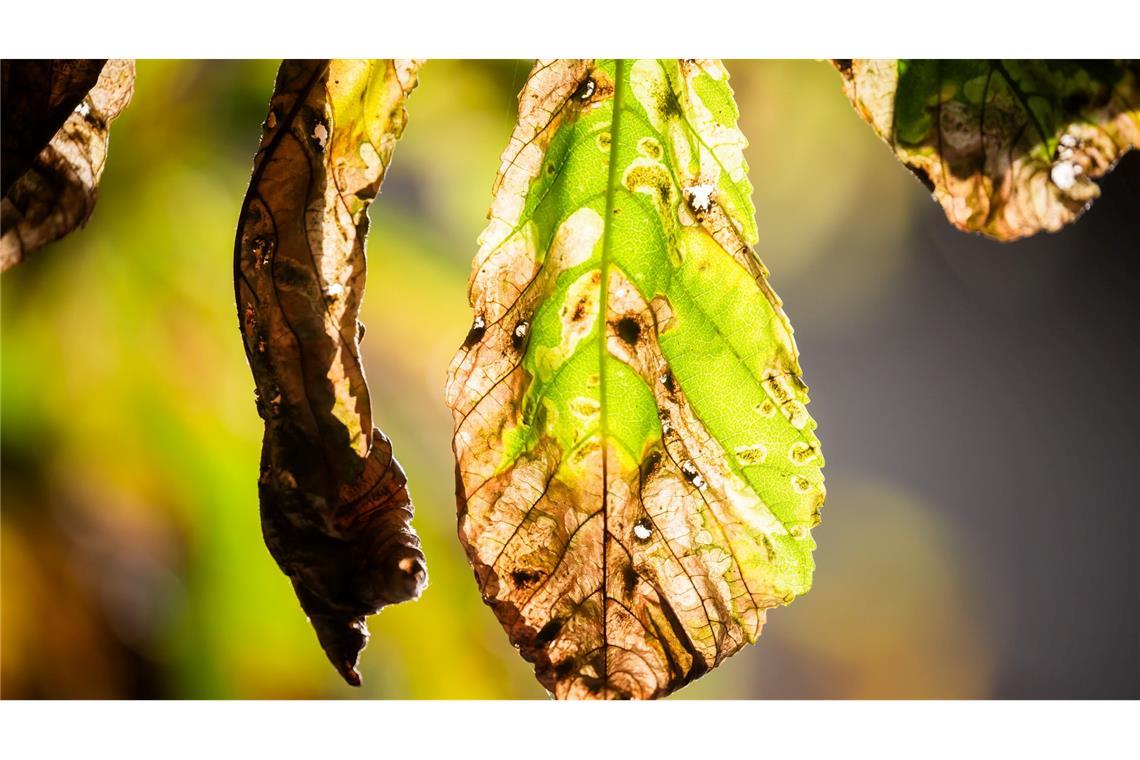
(637, 473)
(335, 509)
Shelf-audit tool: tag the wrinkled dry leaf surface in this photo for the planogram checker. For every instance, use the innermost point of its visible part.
(1008, 148)
(55, 191)
(335, 509)
(637, 471)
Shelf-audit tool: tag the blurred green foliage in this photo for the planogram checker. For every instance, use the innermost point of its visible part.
(132, 557)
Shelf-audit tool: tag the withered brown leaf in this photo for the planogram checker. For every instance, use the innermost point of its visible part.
(49, 190)
(335, 509)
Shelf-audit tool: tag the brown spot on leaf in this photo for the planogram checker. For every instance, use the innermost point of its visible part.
(524, 578)
(579, 309)
(548, 632)
(651, 463)
(629, 580)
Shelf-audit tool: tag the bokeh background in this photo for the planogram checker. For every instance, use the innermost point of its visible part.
(977, 403)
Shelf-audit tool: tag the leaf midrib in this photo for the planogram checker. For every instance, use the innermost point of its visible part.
(603, 312)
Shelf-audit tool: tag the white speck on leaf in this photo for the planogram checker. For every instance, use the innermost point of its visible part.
(1064, 175)
(693, 474)
(321, 134)
(700, 195)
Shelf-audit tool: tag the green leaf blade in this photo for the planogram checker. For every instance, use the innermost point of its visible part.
(637, 470)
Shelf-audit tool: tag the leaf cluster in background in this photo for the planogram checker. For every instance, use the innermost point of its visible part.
(1008, 148)
(57, 116)
(335, 508)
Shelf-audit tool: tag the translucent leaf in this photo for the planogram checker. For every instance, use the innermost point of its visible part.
(1008, 148)
(638, 473)
(335, 508)
(49, 190)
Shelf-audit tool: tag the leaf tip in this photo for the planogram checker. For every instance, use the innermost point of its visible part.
(343, 639)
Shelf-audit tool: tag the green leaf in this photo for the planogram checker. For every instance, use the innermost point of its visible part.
(638, 474)
(335, 508)
(50, 189)
(1008, 148)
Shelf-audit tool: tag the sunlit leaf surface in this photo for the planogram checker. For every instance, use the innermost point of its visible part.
(1008, 148)
(49, 190)
(335, 509)
(638, 473)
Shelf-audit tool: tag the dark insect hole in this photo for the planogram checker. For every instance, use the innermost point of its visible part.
(524, 578)
(518, 335)
(629, 329)
(585, 90)
(478, 329)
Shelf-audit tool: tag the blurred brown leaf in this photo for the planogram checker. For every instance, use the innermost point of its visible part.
(50, 190)
(38, 96)
(335, 510)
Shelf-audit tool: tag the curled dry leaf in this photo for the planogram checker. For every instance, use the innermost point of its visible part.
(1008, 148)
(335, 509)
(637, 471)
(49, 190)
